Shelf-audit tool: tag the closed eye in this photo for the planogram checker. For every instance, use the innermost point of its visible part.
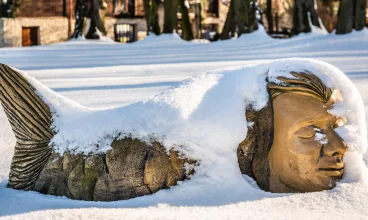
(308, 132)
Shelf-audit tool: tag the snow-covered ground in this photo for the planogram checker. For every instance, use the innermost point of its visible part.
(103, 75)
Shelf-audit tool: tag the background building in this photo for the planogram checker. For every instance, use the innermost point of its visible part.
(40, 22)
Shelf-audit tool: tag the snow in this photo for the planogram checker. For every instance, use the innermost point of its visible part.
(102, 75)
(157, 40)
(259, 36)
(321, 138)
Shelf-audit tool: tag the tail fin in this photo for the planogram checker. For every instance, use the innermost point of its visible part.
(30, 119)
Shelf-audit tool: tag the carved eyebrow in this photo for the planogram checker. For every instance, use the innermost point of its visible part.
(313, 123)
(304, 124)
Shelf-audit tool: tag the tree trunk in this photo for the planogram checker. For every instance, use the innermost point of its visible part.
(269, 16)
(81, 8)
(241, 11)
(171, 9)
(360, 6)
(351, 16)
(296, 18)
(186, 26)
(97, 21)
(313, 13)
(151, 15)
(305, 26)
(304, 11)
(226, 31)
(253, 25)
(241, 18)
(147, 11)
(345, 17)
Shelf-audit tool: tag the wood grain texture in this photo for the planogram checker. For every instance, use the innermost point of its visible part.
(30, 119)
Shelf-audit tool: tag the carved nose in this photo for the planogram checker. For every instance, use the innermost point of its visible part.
(335, 147)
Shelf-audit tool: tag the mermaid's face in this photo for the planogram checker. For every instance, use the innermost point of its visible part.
(307, 154)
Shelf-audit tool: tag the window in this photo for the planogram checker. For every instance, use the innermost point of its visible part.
(30, 36)
(124, 33)
(124, 7)
(213, 8)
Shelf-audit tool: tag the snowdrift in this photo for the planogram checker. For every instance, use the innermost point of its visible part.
(161, 40)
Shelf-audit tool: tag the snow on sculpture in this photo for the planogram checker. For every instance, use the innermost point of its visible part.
(299, 127)
(133, 168)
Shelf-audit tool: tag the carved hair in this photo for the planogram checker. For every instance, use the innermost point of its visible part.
(303, 83)
(253, 151)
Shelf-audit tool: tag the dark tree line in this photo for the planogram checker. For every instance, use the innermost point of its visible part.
(242, 17)
(351, 15)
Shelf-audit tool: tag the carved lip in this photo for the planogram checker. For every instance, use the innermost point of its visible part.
(332, 171)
